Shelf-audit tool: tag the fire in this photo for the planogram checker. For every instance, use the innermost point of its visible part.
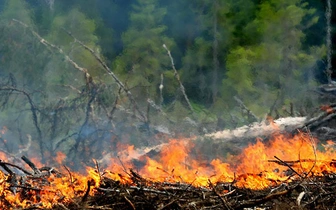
(328, 109)
(259, 166)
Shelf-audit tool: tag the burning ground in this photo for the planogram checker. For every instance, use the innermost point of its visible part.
(285, 171)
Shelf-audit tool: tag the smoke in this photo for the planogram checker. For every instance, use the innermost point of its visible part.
(88, 117)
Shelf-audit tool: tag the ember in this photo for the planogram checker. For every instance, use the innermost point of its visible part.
(281, 173)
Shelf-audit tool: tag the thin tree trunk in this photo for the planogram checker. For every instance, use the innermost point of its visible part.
(329, 42)
(215, 54)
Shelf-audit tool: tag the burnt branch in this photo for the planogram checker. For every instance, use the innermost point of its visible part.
(137, 192)
(31, 165)
(291, 168)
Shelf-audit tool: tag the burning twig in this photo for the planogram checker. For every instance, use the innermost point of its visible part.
(31, 165)
(136, 176)
(122, 164)
(134, 191)
(98, 169)
(3, 165)
(29, 188)
(70, 176)
(15, 166)
(178, 195)
(130, 203)
(293, 162)
(284, 163)
(225, 204)
(312, 143)
(84, 199)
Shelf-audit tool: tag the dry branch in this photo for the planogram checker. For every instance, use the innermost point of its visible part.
(34, 111)
(110, 72)
(245, 109)
(48, 44)
(177, 76)
(31, 165)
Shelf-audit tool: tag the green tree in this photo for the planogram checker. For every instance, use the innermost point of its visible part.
(22, 57)
(20, 53)
(83, 29)
(102, 13)
(60, 72)
(276, 63)
(221, 24)
(144, 59)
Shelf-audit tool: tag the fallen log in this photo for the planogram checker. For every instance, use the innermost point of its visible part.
(324, 121)
(221, 143)
(258, 130)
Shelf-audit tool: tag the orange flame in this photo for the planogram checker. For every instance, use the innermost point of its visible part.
(259, 166)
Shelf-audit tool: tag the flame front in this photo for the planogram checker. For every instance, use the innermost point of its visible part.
(259, 166)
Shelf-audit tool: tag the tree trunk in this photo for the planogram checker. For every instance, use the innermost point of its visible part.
(329, 42)
(215, 54)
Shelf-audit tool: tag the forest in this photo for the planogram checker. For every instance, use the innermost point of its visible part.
(76, 75)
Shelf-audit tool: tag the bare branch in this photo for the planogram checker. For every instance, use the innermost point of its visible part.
(328, 15)
(161, 88)
(158, 108)
(110, 72)
(177, 76)
(34, 114)
(48, 44)
(244, 108)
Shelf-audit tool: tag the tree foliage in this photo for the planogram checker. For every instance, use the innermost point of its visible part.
(266, 54)
(277, 62)
(143, 59)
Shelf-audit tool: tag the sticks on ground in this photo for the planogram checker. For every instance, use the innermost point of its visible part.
(133, 191)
